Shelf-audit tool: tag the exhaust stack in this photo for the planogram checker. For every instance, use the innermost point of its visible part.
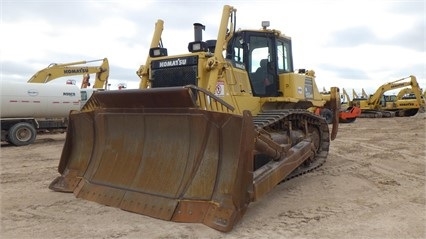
(198, 32)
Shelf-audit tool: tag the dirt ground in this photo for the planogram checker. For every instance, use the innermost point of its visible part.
(372, 186)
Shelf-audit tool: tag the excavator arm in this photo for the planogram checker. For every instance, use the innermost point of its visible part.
(354, 94)
(54, 71)
(345, 96)
(415, 88)
(363, 94)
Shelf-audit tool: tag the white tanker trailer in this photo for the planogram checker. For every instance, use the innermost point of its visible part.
(29, 108)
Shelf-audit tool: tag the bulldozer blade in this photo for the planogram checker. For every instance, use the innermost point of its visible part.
(174, 163)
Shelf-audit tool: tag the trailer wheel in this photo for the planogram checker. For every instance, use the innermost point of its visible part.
(327, 114)
(22, 134)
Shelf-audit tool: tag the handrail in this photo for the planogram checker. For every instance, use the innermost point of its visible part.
(208, 101)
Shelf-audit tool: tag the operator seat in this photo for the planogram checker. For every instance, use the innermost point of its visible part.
(262, 79)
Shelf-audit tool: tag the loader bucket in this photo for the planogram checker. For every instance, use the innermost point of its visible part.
(133, 150)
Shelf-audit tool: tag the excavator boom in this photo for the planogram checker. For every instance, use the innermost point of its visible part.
(54, 71)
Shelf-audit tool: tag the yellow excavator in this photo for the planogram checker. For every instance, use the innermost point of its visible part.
(409, 102)
(380, 105)
(56, 70)
(405, 93)
(207, 132)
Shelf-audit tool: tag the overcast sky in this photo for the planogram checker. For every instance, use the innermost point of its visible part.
(351, 44)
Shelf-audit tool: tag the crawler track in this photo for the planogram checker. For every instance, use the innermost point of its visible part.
(318, 131)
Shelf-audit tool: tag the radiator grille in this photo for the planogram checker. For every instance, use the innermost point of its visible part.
(174, 72)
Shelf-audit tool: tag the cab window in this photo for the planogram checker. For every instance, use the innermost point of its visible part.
(284, 62)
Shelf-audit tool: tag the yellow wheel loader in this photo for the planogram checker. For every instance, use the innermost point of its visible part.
(207, 132)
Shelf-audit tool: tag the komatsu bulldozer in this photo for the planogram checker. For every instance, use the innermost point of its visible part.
(207, 132)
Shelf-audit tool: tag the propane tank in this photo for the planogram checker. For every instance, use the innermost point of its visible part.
(37, 100)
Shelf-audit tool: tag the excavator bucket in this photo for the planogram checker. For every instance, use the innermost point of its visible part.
(160, 156)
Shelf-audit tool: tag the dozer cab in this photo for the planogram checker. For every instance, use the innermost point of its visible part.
(207, 132)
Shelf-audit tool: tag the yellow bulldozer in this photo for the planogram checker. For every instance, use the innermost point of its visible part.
(208, 132)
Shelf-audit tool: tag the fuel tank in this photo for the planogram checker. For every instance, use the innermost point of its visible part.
(21, 99)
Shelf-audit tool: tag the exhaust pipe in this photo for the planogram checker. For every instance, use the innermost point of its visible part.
(198, 32)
